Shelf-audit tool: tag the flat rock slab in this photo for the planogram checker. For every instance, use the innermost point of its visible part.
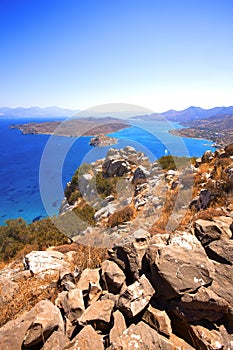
(135, 297)
(143, 337)
(39, 261)
(87, 339)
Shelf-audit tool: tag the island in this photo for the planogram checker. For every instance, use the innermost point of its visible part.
(102, 141)
(76, 127)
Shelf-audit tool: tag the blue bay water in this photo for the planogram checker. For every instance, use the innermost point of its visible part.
(21, 156)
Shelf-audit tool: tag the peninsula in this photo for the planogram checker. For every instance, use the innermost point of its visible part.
(75, 127)
(218, 129)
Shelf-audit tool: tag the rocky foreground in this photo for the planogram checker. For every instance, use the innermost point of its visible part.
(158, 289)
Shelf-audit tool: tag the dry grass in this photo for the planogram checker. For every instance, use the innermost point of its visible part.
(123, 215)
(29, 293)
(86, 257)
(32, 289)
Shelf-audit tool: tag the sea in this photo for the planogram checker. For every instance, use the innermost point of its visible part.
(34, 169)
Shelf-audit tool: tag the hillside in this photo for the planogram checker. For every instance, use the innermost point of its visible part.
(166, 282)
(74, 127)
(217, 128)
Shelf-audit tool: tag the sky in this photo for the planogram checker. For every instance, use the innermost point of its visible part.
(159, 54)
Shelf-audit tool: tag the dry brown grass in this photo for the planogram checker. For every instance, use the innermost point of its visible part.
(31, 290)
(167, 210)
(123, 215)
(86, 257)
(29, 293)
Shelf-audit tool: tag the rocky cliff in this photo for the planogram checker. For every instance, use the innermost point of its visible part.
(167, 281)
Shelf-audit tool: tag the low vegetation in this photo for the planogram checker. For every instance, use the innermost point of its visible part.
(175, 163)
(18, 238)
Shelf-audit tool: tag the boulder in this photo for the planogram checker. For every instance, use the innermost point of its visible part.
(207, 339)
(47, 319)
(105, 211)
(222, 283)
(57, 341)
(119, 326)
(115, 167)
(40, 261)
(207, 157)
(112, 276)
(180, 267)
(87, 339)
(88, 276)
(203, 305)
(140, 175)
(129, 253)
(221, 251)
(32, 327)
(143, 337)
(207, 231)
(203, 200)
(94, 292)
(135, 297)
(158, 319)
(72, 303)
(98, 314)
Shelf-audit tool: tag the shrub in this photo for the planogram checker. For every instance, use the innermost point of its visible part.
(174, 163)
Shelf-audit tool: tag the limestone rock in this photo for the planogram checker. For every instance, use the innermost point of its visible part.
(105, 211)
(129, 253)
(73, 304)
(221, 251)
(207, 339)
(39, 261)
(203, 200)
(136, 297)
(98, 313)
(47, 319)
(57, 341)
(87, 339)
(158, 319)
(207, 231)
(32, 327)
(143, 337)
(94, 292)
(140, 175)
(119, 326)
(180, 267)
(203, 305)
(113, 276)
(115, 167)
(88, 276)
(222, 283)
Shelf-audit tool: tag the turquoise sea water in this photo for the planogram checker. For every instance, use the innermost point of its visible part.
(35, 168)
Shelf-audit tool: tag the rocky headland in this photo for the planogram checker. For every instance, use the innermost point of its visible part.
(74, 127)
(167, 281)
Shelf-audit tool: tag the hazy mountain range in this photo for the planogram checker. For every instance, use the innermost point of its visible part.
(187, 115)
(33, 112)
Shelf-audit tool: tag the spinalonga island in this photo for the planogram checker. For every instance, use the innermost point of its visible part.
(76, 127)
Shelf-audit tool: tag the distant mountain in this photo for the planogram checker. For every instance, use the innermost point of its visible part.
(149, 117)
(194, 113)
(33, 112)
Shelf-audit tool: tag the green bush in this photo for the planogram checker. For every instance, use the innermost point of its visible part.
(17, 234)
(174, 162)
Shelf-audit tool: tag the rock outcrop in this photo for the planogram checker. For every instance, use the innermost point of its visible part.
(159, 288)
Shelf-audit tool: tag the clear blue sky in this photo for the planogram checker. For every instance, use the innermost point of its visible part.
(160, 54)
